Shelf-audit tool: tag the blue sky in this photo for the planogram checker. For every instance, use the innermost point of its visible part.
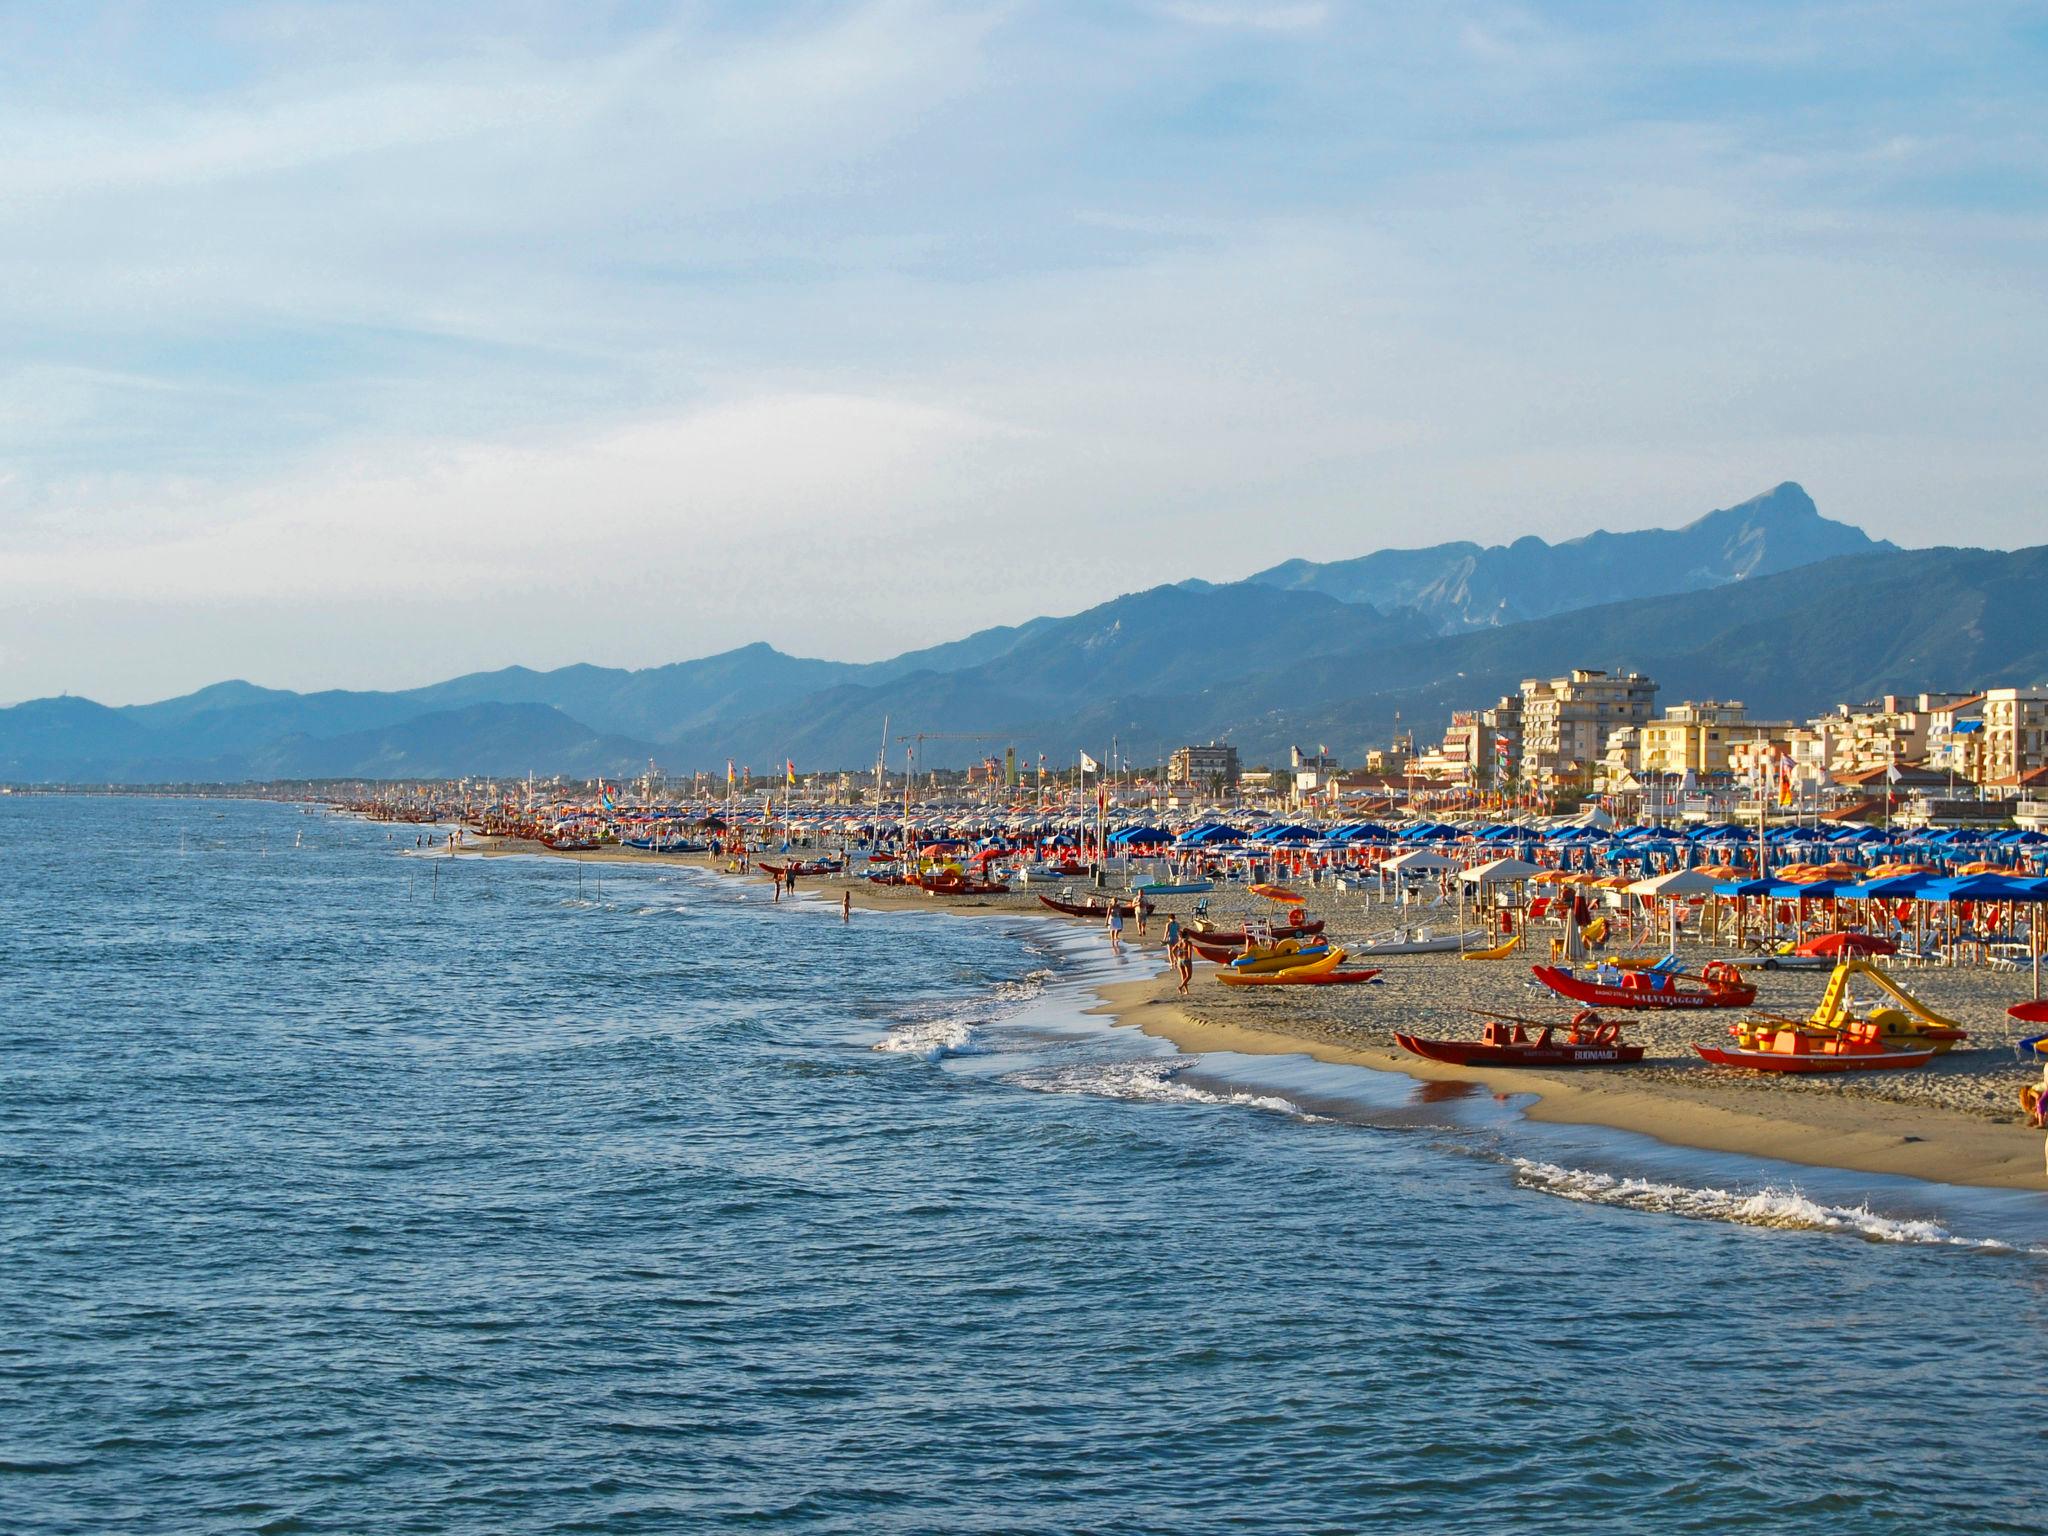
(362, 344)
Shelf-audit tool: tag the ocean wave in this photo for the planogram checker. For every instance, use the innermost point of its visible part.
(1786, 1209)
(1145, 1082)
(933, 1039)
(1024, 988)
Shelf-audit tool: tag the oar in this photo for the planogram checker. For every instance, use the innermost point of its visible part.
(1509, 1018)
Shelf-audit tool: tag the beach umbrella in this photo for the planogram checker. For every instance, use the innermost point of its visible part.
(1835, 945)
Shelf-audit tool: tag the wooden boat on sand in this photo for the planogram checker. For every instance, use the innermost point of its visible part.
(1093, 908)
(1586, 1041)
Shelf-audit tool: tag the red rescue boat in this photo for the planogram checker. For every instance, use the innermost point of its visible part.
(1216, 936)
(1720, 985)
(2029, 1013)
(1587, 1041)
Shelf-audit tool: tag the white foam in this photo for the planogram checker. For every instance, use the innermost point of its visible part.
(933, 1039)
(1024, 988)
(1783, 1208)
(1145, 1082)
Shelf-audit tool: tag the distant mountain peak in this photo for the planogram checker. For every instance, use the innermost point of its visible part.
(1461, 586)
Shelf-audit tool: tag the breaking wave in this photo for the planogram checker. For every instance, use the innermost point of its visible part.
(933, 1039)
(1144, 1082)
(1785, 1209)
(1024, 988)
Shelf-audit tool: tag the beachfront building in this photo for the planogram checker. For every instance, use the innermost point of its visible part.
(1313, 771)
(1214, 766)
(1566, 721)
(1955, 736)
(2014, 735)
(1697, 738)
(1481, 747)
(1889, 731)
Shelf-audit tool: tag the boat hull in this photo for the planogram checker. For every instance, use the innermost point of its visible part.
(1449, 944)
(1311, 978)
(1785, 1061)
(1477, 1053)
(1264, 964)
(1093, 909)
(1600, 994)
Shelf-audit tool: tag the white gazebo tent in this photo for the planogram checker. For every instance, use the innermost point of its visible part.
(1672, 887)
(1419, 861)
(1493, 876)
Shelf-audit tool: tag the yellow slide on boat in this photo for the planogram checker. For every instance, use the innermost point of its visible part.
(1316, 967)
(1284, 956)
(1498, 952)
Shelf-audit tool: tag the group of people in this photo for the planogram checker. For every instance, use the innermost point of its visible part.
(1180, 951)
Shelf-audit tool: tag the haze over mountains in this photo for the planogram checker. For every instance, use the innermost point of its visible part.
(1767, 601)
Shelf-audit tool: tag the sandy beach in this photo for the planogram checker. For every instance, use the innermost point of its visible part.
(1956, 1121)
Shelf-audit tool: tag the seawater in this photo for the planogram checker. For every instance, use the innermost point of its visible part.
(347, 1189)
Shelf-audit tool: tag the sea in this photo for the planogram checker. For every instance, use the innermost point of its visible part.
(348, 1186)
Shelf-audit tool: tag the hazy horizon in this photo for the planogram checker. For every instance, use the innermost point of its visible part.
(355, 346)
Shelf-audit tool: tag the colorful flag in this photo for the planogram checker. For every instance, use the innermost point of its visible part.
(1785, 794)
(789, 771)
(728, 775)
(1089, 765)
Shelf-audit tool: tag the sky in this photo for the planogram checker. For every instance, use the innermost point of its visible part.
(363, 344)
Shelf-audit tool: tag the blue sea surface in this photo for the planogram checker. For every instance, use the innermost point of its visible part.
(345, 1188)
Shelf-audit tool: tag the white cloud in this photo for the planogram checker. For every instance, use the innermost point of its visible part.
(393, 519)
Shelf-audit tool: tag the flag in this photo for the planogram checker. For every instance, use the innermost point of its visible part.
(1785, 796)
(1089, 765)
(1891, 774)
(789, 771)
(728, 775)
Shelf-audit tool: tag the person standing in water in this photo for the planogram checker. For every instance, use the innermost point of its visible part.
(1116, 928)
(846, 906)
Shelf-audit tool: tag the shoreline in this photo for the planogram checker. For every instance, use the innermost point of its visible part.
(1814, 1122)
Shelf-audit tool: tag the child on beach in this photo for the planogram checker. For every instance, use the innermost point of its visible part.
(1116, 928)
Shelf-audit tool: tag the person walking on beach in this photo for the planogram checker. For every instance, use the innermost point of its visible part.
(1116, 928)
(1184, 962)
(776, 875)
(1172, 932)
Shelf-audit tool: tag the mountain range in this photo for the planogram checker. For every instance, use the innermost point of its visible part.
(1767, 601)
